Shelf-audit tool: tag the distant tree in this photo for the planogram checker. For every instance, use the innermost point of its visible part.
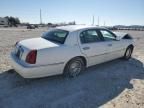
(50, 24)
(12, 21)
(72, 23)
(17, 20)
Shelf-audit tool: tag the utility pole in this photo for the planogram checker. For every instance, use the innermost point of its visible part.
(40, 17)
(104, 24)
(93, 20)
(98, 21)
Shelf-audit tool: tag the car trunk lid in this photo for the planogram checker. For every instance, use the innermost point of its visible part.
(37, 43)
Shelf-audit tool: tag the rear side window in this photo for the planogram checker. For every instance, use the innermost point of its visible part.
(89, 36)
(57, 36)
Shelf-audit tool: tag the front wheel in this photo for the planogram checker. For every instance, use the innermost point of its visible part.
(128, 53)
(74, 67)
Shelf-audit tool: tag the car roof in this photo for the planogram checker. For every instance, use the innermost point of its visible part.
(77, 27)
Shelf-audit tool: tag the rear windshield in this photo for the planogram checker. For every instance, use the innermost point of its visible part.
(56, 35)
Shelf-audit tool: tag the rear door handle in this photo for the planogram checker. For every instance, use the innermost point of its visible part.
(110, 45)
(86, 48)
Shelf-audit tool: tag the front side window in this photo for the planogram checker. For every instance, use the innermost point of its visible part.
(89, 36)
(108, 36)
(57, 36)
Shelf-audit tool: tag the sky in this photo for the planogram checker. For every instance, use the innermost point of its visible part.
(112, 12)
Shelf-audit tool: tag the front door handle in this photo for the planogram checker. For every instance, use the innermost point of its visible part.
(109, 45)
(86, 48)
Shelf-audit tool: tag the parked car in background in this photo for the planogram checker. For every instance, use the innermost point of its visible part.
(36, 26)
(69, 50)
(31, 26)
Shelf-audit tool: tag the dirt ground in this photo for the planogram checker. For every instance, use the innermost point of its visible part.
(115, 84)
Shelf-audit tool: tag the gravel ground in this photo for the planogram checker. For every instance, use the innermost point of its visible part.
(116, 84)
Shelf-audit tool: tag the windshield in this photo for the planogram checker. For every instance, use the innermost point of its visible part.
(57, 36)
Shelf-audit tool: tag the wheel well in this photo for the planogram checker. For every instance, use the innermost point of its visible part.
(83, 59)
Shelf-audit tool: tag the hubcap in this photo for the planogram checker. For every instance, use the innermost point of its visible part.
(75, 68)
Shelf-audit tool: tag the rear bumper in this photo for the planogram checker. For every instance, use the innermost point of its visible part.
(35, 72)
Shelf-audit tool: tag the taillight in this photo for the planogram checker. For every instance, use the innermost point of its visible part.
(31, 57)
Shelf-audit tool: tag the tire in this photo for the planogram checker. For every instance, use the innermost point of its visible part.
(128, 53)
(74, 67)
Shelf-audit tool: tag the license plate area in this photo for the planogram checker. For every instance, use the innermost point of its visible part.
(19, 51)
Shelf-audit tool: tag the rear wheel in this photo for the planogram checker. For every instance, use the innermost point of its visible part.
(74, 67)
(128, 53)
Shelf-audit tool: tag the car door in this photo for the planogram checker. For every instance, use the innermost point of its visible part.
(91, 45)
(114, 48)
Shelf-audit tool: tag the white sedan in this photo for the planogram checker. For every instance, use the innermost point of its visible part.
(69, 50)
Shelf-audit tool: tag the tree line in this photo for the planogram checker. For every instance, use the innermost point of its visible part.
(12, 21)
